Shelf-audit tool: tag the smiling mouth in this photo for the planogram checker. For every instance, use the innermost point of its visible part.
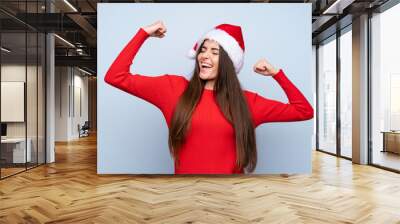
(205, 65)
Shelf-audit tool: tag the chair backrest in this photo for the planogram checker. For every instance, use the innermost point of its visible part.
(86, 125)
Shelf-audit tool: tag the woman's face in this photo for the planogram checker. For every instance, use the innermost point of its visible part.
(208, 59)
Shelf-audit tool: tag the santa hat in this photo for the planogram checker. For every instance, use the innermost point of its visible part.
(230, 38)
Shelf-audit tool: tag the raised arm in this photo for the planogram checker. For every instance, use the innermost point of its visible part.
(154, 89)
(118, 75)
(267, 110)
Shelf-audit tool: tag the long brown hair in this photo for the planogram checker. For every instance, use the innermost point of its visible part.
(232, 102)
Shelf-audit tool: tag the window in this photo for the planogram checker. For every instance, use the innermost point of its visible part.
(327, 96)
(385, 89)
(346, 93)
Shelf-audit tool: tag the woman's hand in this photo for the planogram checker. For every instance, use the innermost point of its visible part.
(263, 67)
(156, 29)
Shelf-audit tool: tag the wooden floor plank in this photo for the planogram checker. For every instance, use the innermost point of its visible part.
(70, 191)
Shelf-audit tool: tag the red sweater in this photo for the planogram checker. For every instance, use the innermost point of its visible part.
(210, 144)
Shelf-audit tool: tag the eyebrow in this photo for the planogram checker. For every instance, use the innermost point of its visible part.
(211, 48)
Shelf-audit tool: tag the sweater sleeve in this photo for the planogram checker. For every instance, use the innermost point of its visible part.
(158, 90)
(267, 110)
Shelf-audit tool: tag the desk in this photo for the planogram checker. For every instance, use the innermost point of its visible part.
(391, 141)
(16, 147)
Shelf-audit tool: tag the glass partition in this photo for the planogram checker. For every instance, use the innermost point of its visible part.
(13, 103)
(22, 78)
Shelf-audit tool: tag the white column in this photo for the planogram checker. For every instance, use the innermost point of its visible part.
(50, 100)
(50, 92)
(360, 90)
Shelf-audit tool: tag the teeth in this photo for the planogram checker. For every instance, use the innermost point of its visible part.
(205, 65)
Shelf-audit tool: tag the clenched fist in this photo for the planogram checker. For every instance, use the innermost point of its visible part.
(156, 29)
(263, 67)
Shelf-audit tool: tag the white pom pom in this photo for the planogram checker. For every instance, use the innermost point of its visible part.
(191, 54)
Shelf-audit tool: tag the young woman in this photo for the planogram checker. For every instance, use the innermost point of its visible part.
(211, 120)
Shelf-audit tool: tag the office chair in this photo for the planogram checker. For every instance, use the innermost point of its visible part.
(84, 130)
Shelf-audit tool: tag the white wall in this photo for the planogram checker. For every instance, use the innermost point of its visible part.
(12, 73)
(61, 103)
(70, 83)
(80, 83)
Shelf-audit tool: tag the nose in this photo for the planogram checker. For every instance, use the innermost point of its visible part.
(204, 55)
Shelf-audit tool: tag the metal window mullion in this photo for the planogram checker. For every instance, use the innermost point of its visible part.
(369, 89)
(26, 88)
(45, 89)
(37, 91)
(317, 96)
(338, 98)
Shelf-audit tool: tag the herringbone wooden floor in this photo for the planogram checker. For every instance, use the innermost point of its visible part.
(70, 191)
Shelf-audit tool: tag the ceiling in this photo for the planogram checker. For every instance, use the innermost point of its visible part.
(76, 22)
